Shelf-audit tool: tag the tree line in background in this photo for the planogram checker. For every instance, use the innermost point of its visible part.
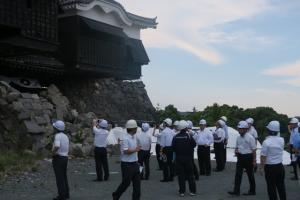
(261, 116)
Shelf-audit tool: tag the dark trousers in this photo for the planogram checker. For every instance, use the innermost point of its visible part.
(144, 160)
(101, 163)
(244, 161)
(204, 160)
(224, 155)
(219, 153)
(274, 175)
(130, 173)
(159, 161)
(168, 166)
(294, 165)
(184, 169)
(60, 164)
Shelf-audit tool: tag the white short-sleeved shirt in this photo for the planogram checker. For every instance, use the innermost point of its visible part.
(167, 137)
(100, 139)
(219, 135)
(157, 134)
(245, 144)
(252, 131)
(144, 140)
(61, 141)
(129, 142)
(204, 137)
(225, 128)
(272, 148)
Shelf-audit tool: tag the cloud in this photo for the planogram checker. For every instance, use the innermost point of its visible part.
(290, 71)
(188, 24)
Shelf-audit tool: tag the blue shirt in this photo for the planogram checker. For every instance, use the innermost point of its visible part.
(296, 142)
(225, 128)
(167, 137)
(294, 133)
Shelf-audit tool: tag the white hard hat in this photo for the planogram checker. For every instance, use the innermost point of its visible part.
(103, 123)
(145, 126)
(59, 125)
(221, 123)
(176, 123)
(250, 120)
(274, 126)
(299, 125)
(190, 124)
(243, 125)
(202, 122)
(168, 121)
(131, 124)
(224, 118)
(294, 121)
(182, 125)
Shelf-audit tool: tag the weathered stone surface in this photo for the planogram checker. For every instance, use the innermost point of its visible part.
(40, 120)
(3, 91)
(86, 119)
(12, 96)
(76, 150)
(26, 95)
(33, 128)
(17, 106)
(3, 102)
(24, 115)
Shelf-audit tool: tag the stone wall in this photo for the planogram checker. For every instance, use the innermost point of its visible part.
(26, 119)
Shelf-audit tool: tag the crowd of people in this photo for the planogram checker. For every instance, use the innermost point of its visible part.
(175, 145)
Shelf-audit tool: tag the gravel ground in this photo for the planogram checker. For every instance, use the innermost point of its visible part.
(41, 185)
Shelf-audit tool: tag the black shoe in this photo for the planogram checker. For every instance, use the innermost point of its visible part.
(207, 174)
(249, 194)
(197, 178)
(115, 196)
(294, 179)
(234, 193)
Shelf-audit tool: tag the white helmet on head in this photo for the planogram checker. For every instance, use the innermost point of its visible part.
(130, 124)
(145, 127)
(221, 123)
(168, 121)
(202, 122)
(176, 123)
(294, 121)
(224, 118)
(273, 126)
(59, 125)
(103, 123)
(182, 125)
(190, 124)
(243, 125)
(250, 120)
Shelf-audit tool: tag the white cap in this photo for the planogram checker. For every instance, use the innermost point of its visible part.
(176, 123)
(250, 120)
(168, 121)
(243, 125)
(294, 121)
(59, 125)
(221, 123)
(131, 124)
(145, 127)
(103, 123)
(202, 122)
(224, 118)
(190, 124)
(274, 126)
(182, 125)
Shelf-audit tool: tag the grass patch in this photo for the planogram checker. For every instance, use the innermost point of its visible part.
(12, 162)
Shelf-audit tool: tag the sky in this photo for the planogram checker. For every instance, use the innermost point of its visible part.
(235, 52)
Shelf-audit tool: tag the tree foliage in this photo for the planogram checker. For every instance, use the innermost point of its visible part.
(261, 116)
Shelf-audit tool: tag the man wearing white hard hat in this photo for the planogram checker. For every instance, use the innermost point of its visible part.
(192, 133)
(129, 163)
(166, 151)
(252, 131)
(157, 133)
(271, 161)
(60, 153)
(219, 137)
(182, 145)
(225, 128)
(100, 152)
(204, 139)
(246, 159)
(175, 126)
(145, 141)
(293, 128)
(296, 149)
